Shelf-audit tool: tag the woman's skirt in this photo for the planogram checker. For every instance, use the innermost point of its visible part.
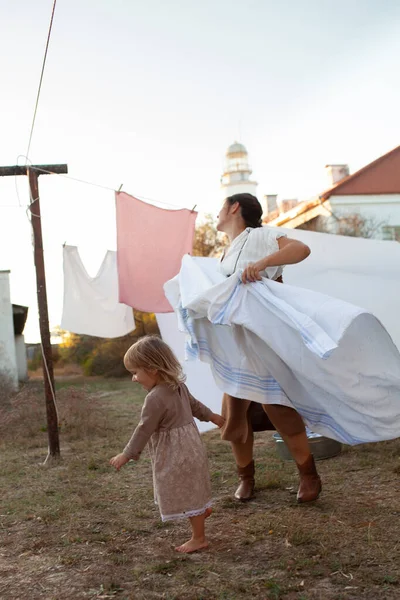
(331, 361)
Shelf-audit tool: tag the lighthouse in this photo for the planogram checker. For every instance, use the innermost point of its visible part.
(237, 172)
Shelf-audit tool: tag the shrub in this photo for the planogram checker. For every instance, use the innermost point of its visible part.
(107, 359)
(7, 389)
(23, 420)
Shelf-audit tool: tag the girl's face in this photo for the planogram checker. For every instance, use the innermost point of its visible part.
(147, 378)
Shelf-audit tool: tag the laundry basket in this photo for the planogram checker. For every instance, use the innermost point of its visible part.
(321, 447)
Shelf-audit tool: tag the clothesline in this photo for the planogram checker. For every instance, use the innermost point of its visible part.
(131, 277)
(139, 196)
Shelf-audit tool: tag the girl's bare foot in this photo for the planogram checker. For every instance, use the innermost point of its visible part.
(192, 546)
(198, 539)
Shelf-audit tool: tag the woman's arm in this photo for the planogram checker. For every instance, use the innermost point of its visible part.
(290, 252)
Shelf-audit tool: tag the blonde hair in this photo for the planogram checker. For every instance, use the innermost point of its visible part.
(150, 352)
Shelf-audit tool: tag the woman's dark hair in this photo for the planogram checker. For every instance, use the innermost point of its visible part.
(250, 209)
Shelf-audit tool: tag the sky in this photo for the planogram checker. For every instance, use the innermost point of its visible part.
(151, 94)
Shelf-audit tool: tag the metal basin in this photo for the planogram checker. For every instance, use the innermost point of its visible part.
(321, 447)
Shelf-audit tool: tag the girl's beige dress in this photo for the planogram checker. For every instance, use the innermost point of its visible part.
(180, 470)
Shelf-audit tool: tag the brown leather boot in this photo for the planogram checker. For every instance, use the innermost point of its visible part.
(245, 490)
(310, 482)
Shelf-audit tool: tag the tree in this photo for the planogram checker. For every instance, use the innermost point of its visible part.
(101, 356)
(353, 225)
(207, 240)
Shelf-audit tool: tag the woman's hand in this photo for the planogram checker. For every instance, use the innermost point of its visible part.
(119, 461)
(290, 252)
(253, 270)
(218, 420)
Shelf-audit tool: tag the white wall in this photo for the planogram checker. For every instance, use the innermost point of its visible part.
(383, 208)
(22, 362)
(8, 361)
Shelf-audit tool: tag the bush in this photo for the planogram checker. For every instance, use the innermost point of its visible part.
(35, 362)
(100, 356)
(107, 359)
(80, 414)
(7, 389)
(23, 419)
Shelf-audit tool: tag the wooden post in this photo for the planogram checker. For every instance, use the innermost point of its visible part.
(33, 173)
(47, 356)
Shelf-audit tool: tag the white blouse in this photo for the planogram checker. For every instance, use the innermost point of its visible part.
(249, 247)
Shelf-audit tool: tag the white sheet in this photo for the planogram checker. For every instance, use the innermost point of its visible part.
(363, 272)
(91, 305)
(335, 361)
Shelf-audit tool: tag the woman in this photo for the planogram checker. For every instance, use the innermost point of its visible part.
(290, 350)
(262, 252)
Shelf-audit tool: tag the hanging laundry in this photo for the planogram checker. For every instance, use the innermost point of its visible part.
(151, 242)
(91, 304)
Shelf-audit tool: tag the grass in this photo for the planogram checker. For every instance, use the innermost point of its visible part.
(78, 529)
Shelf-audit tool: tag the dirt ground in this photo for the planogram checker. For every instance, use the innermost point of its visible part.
(79, 530)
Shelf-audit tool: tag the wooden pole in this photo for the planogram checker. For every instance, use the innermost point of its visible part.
(47, 356)
(33, 173)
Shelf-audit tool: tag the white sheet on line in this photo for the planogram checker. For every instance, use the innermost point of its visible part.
(91, 305)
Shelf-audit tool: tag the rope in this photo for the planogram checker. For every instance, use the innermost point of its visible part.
(41, 79)
(103, 187)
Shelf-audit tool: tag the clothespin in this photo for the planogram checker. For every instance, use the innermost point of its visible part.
(64, 244)
(193, 208)
(120, 187)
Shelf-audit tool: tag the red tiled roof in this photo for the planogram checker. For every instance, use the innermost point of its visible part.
(382, 176)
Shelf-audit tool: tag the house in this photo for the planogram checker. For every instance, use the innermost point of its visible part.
(13, 362)
(20, 314)
(370, 196)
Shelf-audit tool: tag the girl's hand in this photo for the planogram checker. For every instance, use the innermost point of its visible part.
(252, 271)
(119, 461)
(218, 420)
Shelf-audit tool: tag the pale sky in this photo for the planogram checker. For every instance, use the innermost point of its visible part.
(150, 94)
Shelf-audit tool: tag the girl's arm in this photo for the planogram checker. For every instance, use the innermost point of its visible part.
(203, 413)
(290, 252)
(152, 413)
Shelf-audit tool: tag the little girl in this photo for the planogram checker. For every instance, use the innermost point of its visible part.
(180, 472)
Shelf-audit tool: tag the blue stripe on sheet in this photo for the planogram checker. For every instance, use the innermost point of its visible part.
(245, 379)
(262, 386)
(269, 386)
(311, 342)
(219, 317)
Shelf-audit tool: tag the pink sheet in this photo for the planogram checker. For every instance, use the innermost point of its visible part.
(151, 242)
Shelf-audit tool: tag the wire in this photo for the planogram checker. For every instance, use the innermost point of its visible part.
(49, 378)
(11, 206)
(74, 179)
(41, 78)
(33, 126)
(103, 187)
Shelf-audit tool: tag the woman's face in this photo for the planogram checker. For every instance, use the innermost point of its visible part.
(224, 216)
